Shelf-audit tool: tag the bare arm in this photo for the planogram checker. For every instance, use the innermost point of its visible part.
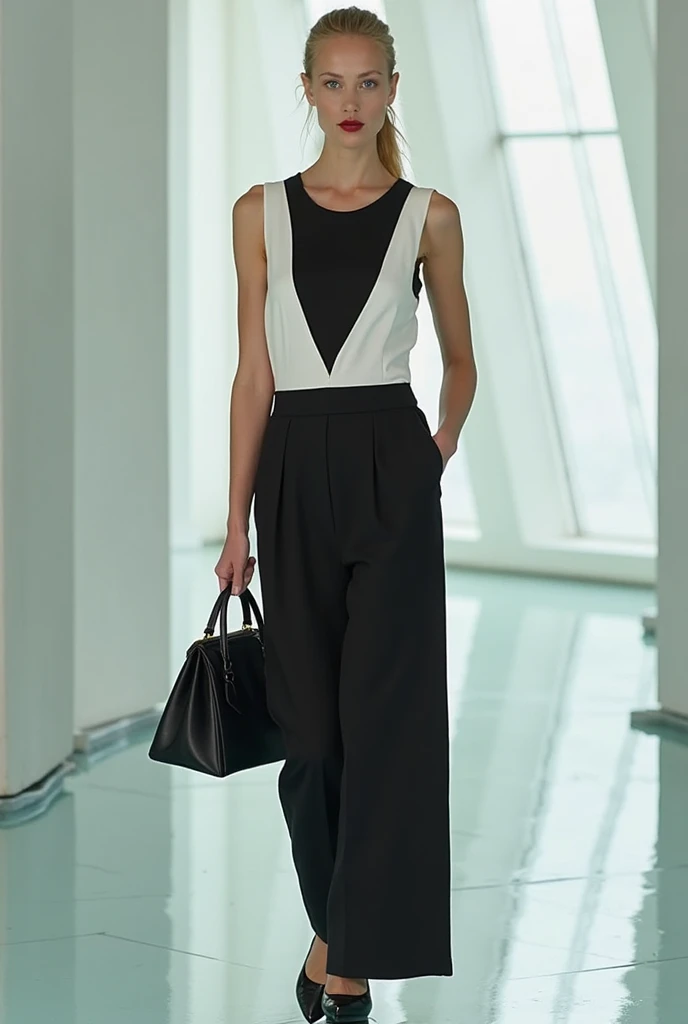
(253, 385)
(443, 276)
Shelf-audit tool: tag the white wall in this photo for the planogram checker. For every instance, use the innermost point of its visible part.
(121, 386)
(36, 381)
(84, 613)
(183, 529)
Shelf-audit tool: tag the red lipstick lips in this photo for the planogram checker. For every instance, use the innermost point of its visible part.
(351, 126)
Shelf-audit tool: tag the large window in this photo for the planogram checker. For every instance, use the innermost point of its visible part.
(581, 247)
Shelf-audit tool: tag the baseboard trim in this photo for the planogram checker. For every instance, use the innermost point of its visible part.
(661, 721)
(34, 801)
(90, 747)
(103, 740)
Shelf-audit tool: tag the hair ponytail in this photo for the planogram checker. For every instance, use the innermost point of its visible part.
(388, 147)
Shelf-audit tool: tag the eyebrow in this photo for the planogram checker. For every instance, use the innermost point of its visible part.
(364, 74)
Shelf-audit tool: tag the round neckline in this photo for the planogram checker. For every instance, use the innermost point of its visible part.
(328, 209)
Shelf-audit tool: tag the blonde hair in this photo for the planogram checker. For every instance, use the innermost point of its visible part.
(352, 21)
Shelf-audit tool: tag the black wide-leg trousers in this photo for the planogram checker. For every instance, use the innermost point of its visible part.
(351, 562)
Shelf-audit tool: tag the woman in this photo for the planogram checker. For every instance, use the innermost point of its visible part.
(346, 476)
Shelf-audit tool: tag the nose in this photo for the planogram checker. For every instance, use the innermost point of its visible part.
(351, 105)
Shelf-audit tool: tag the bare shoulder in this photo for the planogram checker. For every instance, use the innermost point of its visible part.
(247, 217)
(249, 206)
(252, 199)
(442, 228)
(443, 213)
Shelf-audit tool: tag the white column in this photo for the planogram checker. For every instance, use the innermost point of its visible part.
(672, 257)
(121, 500)
(629, 50)
(84, 537)
(672, 249)
(36, 393)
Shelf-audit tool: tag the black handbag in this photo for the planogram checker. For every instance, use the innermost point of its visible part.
(216, 718)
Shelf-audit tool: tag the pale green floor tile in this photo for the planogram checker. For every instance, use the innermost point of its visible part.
(154, 894)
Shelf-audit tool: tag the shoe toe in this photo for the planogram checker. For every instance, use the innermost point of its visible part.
(309, 996)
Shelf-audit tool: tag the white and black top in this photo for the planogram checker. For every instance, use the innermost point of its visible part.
(343, 286)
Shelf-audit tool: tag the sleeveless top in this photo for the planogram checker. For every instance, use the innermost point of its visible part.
(342, 286)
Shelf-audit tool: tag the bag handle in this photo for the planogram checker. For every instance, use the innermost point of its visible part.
(248, 602)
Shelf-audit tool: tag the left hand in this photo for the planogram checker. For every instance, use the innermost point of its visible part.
(446, 445)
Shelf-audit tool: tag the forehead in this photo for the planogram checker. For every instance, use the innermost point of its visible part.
(349, 55)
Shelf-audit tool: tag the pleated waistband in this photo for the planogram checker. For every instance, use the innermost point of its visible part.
(358, 398)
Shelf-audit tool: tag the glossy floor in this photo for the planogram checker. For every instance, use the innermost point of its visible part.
(148, 895)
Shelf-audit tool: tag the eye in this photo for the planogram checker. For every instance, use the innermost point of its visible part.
(333, 81)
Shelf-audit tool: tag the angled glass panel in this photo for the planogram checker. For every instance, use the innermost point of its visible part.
(524, 74)
(581, 341)
(620, 227)
(587, 68)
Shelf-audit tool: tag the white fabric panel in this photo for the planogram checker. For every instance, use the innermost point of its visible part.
(377, 349)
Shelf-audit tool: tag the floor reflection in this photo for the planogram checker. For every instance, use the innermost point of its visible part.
(151, 894)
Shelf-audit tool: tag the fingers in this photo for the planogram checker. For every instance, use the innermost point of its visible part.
(225, 574)
(246, 577)
(243, 579)
(236, 588)
(237, 578)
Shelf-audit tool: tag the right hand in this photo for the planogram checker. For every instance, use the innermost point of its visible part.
(234, 565)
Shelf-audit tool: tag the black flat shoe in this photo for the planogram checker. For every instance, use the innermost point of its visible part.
(351, 1009)
(309, 993)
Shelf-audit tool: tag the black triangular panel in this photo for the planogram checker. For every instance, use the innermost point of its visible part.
(336, 259)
